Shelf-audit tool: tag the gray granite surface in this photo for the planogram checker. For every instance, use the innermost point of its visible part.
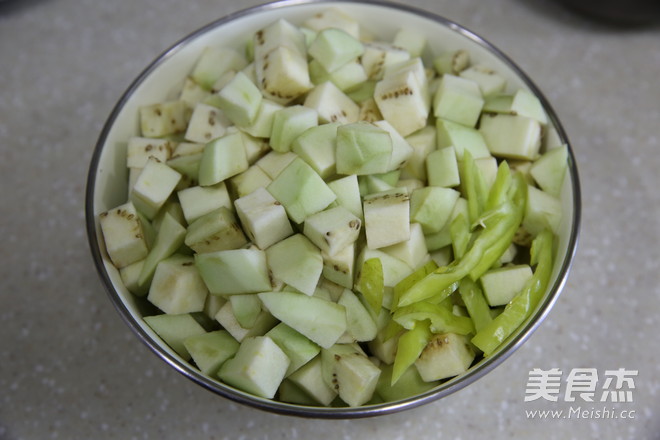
(71, 369)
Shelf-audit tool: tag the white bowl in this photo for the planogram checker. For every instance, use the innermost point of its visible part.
(107, 180)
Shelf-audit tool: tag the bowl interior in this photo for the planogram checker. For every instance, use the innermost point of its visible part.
(107, 185)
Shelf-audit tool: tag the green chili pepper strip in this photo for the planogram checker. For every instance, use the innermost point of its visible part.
(522, 305)
(442, 319)
(518, 195)
(475, 187)
(435, 284)
(410, 346)
(371, 283)
(500, 187)
(391, 329)
(459, 230)
(410, 280)
(475, 302)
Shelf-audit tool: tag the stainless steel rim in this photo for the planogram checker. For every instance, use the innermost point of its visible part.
(449, 387)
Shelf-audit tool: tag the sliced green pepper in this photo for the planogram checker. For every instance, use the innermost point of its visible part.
(410, 346)
(500, 187)
(517, 196)
(436, 284)
(522, 305)
(475, 302)
(371, 283)
(442, 319)
(459, 230)
(409, 281)
(392, 329)
(474, 186)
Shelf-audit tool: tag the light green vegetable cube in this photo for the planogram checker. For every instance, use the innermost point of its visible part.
(378, 55)
(263, 218)
(273, 162)
(298, 348)
(140, 149)
(361, 326)
(130, 277)
(248, 181)
(283, 74)
(356, 378)
(511, 136)
(227, 318)
(403, 101)
(240, 99)
(280, 33)
(347, 191)
(246, 309)
(446, 355)
(490, 82)
(163, 118)
(387, 218)
(211, 350)
(186, 158)
(123, 235)
(214, 62)
(487, 167)
(258, 367)
(323, 322)
(296, 262)
(222, 158)
(262, 125)
(199, 200)
(338, 268)
(310, 379)
(333, 229)
(168, 240)
(301, 191)
(542, 211)
(206, 123)
(177, 287)
(461, 138)
(549, 171)
(522, 103)
(217, 230)
(442, 168)
(331, 104)
(153, 187)
(174, 329)
(502, 284)
(234, 271)
(432, 207)
(347, 78)
(452, 62)
(458, 99)
(316, 146)
(289, 123)
(363, 149)
(333, 48)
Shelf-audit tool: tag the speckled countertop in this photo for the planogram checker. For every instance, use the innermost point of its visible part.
(71, 369)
